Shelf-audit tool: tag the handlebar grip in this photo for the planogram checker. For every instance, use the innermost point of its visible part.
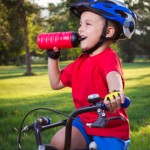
(126, 103)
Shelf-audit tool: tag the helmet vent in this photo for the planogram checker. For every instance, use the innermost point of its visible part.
(121, 13)
(107, 6)
(109, 2)
(105, 13)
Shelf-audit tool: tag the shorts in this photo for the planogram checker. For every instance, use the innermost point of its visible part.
(103, 143)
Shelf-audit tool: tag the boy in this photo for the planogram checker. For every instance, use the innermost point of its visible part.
(98, 70)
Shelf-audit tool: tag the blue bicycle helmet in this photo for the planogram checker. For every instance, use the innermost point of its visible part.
(112, 10)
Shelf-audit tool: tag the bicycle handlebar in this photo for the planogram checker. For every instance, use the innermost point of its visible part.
(126, 104)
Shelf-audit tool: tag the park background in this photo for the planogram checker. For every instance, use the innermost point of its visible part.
(24, 83)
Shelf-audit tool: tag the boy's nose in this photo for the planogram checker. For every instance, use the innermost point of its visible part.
(80, 30)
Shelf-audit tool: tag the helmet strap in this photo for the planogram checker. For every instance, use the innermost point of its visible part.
(100, 42)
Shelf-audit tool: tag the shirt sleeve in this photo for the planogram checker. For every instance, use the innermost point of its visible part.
(112, 63)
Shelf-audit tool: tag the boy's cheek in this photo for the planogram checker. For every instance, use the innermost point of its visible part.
(83, 45)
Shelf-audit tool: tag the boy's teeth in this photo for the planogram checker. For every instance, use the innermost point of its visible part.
(82, 38)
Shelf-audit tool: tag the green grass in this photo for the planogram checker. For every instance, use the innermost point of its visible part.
(19, 94)
(137, 77)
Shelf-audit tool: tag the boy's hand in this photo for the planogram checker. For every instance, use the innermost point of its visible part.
(114, 100)
(53, 53)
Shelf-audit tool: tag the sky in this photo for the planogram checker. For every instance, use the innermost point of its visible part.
(45, 2)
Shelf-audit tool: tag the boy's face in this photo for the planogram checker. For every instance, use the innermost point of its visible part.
(91, 26)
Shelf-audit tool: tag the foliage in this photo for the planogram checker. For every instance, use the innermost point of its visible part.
(58, 17)
(35, 26)
(17, 17)
(16, 35)
(138, 45)
(10, 33)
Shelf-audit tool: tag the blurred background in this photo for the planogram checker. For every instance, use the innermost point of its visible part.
(22, 20)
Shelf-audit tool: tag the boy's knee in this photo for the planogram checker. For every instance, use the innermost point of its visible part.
(57, 142)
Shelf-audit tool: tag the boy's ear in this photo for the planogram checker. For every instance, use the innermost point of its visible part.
(110, 31)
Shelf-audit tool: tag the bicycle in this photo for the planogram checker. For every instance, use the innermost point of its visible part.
(43, 123)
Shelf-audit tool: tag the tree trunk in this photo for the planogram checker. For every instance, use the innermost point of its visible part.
(28, 56)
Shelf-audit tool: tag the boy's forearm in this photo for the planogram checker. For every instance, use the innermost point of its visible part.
(114, 81)
(54, 74)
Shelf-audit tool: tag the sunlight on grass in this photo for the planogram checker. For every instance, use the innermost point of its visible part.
(19, 94)
(140, 140)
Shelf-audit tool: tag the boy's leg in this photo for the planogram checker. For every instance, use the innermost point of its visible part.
(106, 143)
(79, 126)
(80, 139)
(77, 139)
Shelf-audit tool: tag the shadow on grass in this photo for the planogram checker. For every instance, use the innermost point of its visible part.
(139, 112)
(17, 72)
(139, 78)
(136, 65)
(61, 102)
(11, 76)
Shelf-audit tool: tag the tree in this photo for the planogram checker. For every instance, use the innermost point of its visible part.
(139, 43)
(18, 13)
(4, 34)
(26, 9)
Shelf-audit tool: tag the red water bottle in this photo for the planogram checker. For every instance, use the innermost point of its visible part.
(58, 39)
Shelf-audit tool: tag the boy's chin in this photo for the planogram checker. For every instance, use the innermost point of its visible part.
(84, 48)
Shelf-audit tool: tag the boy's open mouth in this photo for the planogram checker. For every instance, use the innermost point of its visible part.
(82, 38)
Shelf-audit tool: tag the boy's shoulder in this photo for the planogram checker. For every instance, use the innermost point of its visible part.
(109, 51)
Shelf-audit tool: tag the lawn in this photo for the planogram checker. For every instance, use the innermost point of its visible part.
(19, 94)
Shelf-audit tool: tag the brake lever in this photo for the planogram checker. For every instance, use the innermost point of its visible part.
(102, 121)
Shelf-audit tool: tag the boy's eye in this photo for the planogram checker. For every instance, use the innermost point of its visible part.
(79, 26)
(88, 23)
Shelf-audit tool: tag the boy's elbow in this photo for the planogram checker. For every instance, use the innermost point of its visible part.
(54, 87)
(57, 86)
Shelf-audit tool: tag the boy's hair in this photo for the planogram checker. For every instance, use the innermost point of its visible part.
(118, 30)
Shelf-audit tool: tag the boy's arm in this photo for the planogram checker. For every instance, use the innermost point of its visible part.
(54, 73)
(115, 83)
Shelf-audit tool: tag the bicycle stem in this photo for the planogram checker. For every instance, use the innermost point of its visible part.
(70, 120)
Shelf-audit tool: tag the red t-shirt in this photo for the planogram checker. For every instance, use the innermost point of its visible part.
(87, 75)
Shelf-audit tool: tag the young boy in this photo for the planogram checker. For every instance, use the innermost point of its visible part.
(97, 70)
